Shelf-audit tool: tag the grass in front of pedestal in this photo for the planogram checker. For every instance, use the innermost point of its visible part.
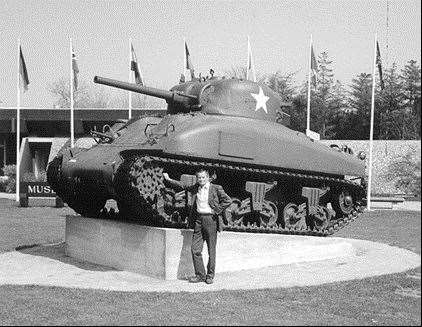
(385, 300)
(382, 300)
(30, 225)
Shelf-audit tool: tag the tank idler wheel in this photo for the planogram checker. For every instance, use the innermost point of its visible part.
(343, 203)
(294, 216)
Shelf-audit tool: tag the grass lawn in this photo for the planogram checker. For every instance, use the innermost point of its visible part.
(382, 300)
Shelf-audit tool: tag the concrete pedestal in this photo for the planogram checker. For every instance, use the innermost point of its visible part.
(165, 253)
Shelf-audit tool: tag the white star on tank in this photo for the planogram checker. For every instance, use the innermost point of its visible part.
(261, 100)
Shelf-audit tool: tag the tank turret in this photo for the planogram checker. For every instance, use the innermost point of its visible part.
(218, 96)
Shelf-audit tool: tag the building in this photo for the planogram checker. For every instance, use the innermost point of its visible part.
(41, 126)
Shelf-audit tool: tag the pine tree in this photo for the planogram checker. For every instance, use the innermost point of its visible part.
(339, 108)
(391, 111)
(321, 110)
(411, 80)
(281, 84)
(360, 107)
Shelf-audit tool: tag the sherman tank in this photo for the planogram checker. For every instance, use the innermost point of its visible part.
(280, 180)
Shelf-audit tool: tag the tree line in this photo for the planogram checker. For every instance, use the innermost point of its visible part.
(342, 113)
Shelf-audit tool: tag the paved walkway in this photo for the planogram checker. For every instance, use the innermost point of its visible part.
(49, 266)
(10, 196)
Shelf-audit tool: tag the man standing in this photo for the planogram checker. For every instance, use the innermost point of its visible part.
(208, 203)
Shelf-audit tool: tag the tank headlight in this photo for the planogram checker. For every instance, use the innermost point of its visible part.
(362, 155)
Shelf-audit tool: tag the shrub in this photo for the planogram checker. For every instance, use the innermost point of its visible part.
(30, 177)
(3, 183)
(406, 171)
(9, 184)
(9, 171)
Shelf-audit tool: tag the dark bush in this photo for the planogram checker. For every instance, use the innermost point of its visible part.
(406, 171)
(9, 183)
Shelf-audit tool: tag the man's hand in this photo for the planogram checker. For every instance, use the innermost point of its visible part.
(166, 176)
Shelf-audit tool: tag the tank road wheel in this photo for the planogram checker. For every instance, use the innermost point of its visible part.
(294, 216)
(269, 214)
(342, 203)
(320, 218)
(231, 214)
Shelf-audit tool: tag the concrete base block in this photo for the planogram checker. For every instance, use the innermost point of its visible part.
(165, 253)
(41, 202)
(381, 205)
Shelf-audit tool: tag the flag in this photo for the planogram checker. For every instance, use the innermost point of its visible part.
(188, 62)
(378, 62)
(314, 67)
(75, 70)
(135, 68)
(250, 70)
(24, 81)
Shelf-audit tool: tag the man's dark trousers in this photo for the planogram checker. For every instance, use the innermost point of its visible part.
(205, 229)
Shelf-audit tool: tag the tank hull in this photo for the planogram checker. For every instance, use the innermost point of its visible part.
(241, 151)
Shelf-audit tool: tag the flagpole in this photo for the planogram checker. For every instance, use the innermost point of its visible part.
(130, 78)
(252, 63)
(371, 131)
(72, 132)
(18, 125)
(247, 61)
(184, 60)
(308, 107)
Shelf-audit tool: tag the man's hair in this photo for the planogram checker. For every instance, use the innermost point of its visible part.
(202, 170)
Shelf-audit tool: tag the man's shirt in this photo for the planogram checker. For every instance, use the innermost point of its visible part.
(202, 205)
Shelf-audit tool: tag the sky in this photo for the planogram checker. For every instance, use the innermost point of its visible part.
(216, 33)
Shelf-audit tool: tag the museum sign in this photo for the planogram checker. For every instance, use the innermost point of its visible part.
(38, 189)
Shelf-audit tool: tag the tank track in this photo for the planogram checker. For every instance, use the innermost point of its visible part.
(126, 186)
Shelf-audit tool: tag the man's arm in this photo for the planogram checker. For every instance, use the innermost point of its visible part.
(173, 182)
(224, 200)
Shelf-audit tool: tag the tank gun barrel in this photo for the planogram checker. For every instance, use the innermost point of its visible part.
(169, 96)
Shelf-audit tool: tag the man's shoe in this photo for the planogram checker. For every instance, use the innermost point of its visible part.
(196, 279)
(209, 280)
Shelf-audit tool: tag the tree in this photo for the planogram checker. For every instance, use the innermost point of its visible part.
(406, 172)
(322, 111)
(83, 97)
(357, 127)
(391, 114)
(297, 111)
(236, 72)
(339, 108)
(98, 97)
(121, 100)
(411, 81)
(281, 84)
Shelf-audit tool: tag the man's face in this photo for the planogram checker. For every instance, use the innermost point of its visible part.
(202, 178)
